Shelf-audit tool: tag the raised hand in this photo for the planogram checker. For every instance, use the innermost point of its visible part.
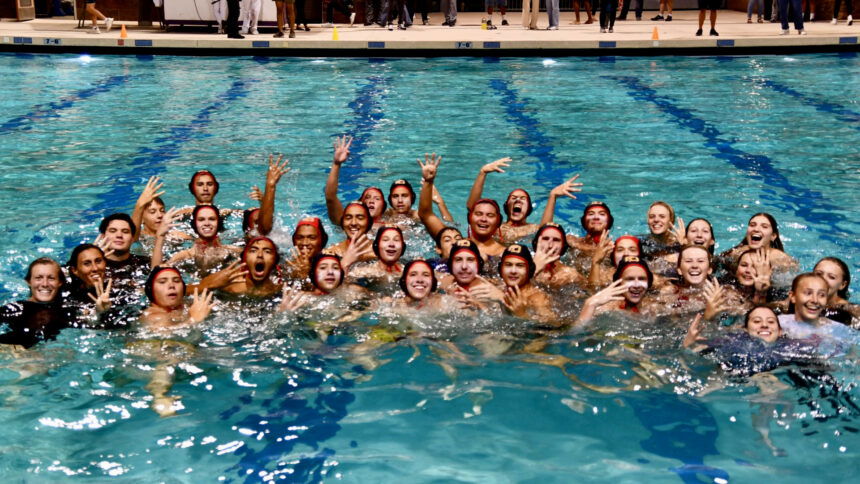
(543, 257)
(429, 166)
(762, 269)
(679, 231)
(567, 188)
(359, 246)
(277, 169)
(604, 248)
(256, 194)
(102, 295)
(168, 222)
(496, 165)
(486, 291)
(612, 292)
(694, 332)
(515, 301)
(152, 190)
(103, 243)
(232, 274)
(341, 149)
(201, 306)
(291, 299)
(716, 299)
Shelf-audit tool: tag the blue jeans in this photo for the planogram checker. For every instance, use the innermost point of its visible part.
(552, 12)
(796, 10)
(759, 6)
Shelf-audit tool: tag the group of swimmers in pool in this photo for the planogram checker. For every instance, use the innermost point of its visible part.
(537, 273)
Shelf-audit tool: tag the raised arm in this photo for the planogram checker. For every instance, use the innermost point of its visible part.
(478, 186)
(332, 203)
(150, 191)
(277, 169)
(168, 222)
(431, 222)
(567, 189)
(443, 208)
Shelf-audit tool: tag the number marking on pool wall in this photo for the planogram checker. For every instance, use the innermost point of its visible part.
(463, 45)
(376, 45)
(143, 43)
(50, 41)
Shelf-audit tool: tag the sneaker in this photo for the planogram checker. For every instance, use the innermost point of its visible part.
(452, 23)
(94, 30)
(784, 32)
(668, 18)
(257, 32)
(699, 33)
(292, 34)
(714, 33)
(278, 35)
(401, 26)
(108, 24)
(220, 29)
(327, 25)
(850, 20)
(490, 25)
(658, 17)
(351, 19)
(833, 21)
(801, 32)
(243, 32)
(446, 23)
(552, 27)
(505, 22)
(611, 31)
(602, 30)
(425, 22)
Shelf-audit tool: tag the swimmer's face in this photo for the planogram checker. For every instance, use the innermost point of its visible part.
(374, 202)
(518, 205)
(596, 220)
(484, 220)
(764, 325)
(260, 259)
(699, 233)
(207, 223)
(390, 247)
(745, 273)
(355, 221)
(401, 200)
(809, 298)
(623, 248)
(153, 215)
(328, 275)
(118, 232)
(694, 266)
(90, 267)
(308, 241)
(204, 189)
(832, 273)
(167, 289)
(449, 237)
(419, 281)
(760, 232)
(551, 241)
(636, 280)
(515, 272)
(464, 267)
(44, 282)
(659, 219)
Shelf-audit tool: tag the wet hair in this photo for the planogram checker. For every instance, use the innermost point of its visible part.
(666, 206)
(610, 219)
(749, 313)
(381, 196)
(545, 227)
(197, 209)
(805, 275)
(467, 245)
(710, 227)
(434, 283)
(201, 173)
(366, 213)
(628, 261)
(157, 201)
(777, 242)
(246, 219)
(846, 274)
(402, 183)
(521, 251)
(103, 226)
(256, 239)
(150, 281)
(488, 201)
(378, 239)
(690, 246)
(316, 260)
(737, 263)
(317, 224)
(529, 208)
(75, 255)
(440, 234)
(45, 261)
(631, 237)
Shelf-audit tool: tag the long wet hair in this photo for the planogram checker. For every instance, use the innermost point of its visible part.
(73, 261)
(711, 227)
(777, 242)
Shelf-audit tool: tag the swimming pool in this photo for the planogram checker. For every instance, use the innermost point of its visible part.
(718, 137)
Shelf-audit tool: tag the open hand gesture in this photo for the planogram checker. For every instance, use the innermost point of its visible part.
(359, 246)
(567, 188)
(429, 167)
(103, 243)
(762, 270)
(256, 194)
(341, 149)
(543, 257)
(277, 169)
(102, 295)
(497, 165)
(694, 333)
(201, 306)
(612, 292)
(604, 248)
(716, 299)
(515, 301)
(291, 299)
(679, 231)
(152, 190)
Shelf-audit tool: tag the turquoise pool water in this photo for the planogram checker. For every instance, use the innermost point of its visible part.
(718, 137)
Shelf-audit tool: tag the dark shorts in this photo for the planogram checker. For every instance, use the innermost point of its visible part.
(710, 4)
(91, 1)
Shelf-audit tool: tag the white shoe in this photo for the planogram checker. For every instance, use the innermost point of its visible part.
(850, 20)
(327, 25)
(611, 31)
(602, 31)
(94, 30)
(243, 32)
(108, 24)
(801, 32)
(351, 19)
(784, 32)
(833, 21)
(255, 32)
(552, 27)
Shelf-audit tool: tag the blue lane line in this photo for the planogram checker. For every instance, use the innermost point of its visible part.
(51, 109)
(809, 205)
(531, 139)
(841, 112)
(367, 114)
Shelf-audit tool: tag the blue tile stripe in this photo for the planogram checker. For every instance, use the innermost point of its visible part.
(142, 43)
(492, 45)
(606, 44)
(725, 43)
(52, 109)
(376, 45)
(809, 205)
(847, 40)
(841, 112)
(22, 40)
(534, 142)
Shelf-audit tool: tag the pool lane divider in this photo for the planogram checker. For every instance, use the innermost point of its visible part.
(52, 109)
(840, 112)
(807, 204)
(152, 160)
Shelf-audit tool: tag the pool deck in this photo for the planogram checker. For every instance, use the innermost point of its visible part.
(631, 37)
